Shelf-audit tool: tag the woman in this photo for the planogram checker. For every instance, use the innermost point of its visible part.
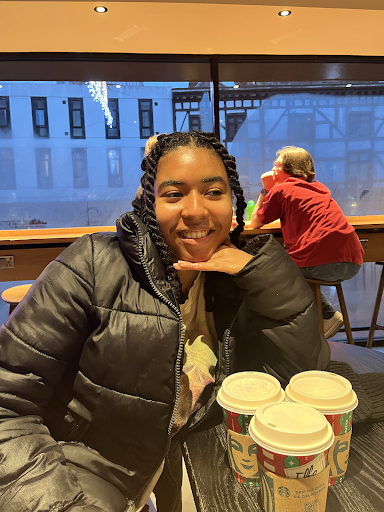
(123, 341)
(316, 233)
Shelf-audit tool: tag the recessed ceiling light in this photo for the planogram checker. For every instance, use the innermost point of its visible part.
(236, 86)
(118, 86)
(348, 85)
(284, 13)
(100, 8)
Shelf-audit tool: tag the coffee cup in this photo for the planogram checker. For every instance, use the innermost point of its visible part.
(240, 395)
(334, 397)
(292, 451)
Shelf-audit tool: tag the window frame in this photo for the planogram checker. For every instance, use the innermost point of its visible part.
(116, 119)
(81, 110)
(36, 128)
(6, 128)
(141, 110)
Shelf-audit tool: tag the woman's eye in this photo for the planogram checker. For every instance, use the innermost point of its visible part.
(173, 195)
(215, 192)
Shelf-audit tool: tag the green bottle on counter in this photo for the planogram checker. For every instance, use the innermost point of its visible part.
(250, 207)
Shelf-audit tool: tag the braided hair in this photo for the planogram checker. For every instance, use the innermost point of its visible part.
(144, 204)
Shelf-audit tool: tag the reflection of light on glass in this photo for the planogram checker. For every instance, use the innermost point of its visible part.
(99, 93)
(100, 9)
(348, 85)
(236, 86)
(1, 86)
(284, 13)
(118, 86)
(135, 121)
(114, 162)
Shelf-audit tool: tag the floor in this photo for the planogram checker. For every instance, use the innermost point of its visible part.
(188, 501)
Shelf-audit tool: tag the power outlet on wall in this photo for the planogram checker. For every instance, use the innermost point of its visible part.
(7, 262)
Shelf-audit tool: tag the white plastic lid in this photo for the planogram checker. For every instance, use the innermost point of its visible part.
(244, 392)
(291, 429)
(325, 391)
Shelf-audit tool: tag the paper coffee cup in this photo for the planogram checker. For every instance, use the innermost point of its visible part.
(240, 395)
(292, 439)
(292, 444)
(333, 396)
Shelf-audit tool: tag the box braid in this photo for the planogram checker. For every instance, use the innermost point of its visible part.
(144, 205)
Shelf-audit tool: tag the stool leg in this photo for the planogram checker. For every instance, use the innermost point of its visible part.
(343, 307)
(317, 292)
(376, 311)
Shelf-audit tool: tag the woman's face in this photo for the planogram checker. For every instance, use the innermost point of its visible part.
(193, 202)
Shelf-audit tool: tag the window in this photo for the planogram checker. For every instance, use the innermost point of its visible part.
(115, 171)
(360, 124)
(300, 125)
(114, 131)
(5, 118)
(194, 123)
(80, 168)
(76, 118)
(40, 117)
(146, 118)
(43, 167)
(234, 121)
(7, 169)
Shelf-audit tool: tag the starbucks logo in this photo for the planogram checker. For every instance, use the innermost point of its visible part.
(284, 492)
(291, 462)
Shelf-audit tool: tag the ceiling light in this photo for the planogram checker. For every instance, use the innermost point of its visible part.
(1, 86)
(118, 86)
(100, 8)
(284, 13)
(236, 86)
(348, 85)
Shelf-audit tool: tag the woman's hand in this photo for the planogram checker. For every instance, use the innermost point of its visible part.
(227, 258)
(268, 179)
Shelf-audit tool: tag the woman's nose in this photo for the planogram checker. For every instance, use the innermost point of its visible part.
(194, 205)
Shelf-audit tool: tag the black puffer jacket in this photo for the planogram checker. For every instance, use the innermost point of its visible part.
(101, 330)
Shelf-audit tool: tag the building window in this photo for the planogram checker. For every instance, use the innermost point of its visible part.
(233, 121)
(360, 124)
(80, 168)
(7, 169)
(43, 167)
(76, 118)
(115, 170)
(114, 131)
(5, 118)
(40, 117)
(146, 118)
(301, 126)
(194, 123)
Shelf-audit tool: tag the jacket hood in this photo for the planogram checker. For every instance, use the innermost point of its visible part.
(140, 252)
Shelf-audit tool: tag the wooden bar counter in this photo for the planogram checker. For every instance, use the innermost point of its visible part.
(33, 249)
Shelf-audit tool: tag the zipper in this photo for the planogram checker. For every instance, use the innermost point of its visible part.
(227, 370)
(174, 308)
(164, 299)
(181, 324)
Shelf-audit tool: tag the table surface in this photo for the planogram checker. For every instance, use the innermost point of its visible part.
(31, 236)
(215, 489)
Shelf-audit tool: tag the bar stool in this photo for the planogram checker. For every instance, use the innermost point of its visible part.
(379, 295)
(13, 296)
(315, 285)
